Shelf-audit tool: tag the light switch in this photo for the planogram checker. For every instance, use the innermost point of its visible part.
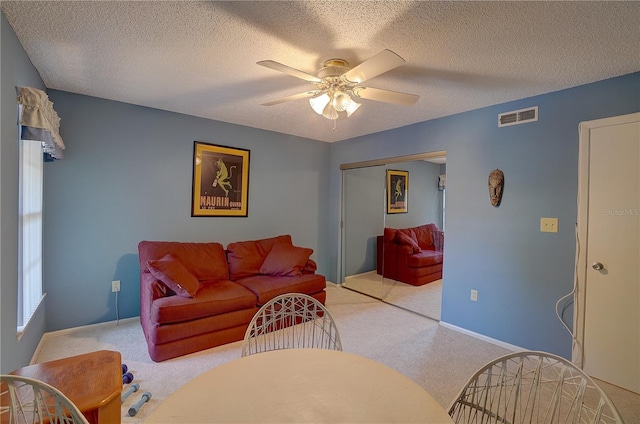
(549, 225)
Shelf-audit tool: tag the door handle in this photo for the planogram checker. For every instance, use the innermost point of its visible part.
(597, 266)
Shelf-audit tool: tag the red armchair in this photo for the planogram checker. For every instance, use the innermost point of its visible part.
(411, 255)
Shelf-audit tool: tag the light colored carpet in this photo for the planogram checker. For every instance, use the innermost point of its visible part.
(438, 358)
(424, 300)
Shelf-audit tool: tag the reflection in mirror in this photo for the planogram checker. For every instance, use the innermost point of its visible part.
(416, 282)
(365, 217)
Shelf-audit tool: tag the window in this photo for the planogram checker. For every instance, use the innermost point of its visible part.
(38, 127)
(30, 227)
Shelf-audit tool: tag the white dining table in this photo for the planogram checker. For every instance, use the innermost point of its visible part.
(300, 386)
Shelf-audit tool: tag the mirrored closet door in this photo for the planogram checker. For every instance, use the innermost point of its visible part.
(363, 217)
(366, 213)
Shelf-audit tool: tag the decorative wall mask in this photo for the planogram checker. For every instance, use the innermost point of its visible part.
(496, 182)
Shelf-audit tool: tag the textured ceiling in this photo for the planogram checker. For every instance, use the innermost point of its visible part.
(199, 58)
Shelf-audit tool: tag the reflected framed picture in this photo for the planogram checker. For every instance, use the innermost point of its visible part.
(220, 185)
(397, 191)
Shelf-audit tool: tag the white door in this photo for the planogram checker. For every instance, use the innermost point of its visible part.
(610, 241)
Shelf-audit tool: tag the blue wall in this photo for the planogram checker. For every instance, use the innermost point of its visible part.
(519, 272)
(17, 70)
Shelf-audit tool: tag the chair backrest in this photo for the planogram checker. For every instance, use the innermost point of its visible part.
(289, 321)
(532, 387)
(26, 400)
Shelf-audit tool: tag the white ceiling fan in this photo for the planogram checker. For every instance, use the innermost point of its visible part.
(337, 84)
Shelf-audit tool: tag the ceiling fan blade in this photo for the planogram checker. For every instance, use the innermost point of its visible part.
(386, 96)
(290, 98)
(289, 70)
(384, 61)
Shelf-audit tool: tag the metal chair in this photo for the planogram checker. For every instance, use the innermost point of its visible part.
(26, 400)
(532, 387)
(289, 321)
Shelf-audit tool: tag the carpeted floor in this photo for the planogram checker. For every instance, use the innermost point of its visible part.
(438, 358)
(425, 300)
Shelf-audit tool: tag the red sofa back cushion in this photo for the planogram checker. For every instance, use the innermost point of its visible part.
(206, 261)
(285, 259)
(424, 234)
(246, 257)
(408, 238)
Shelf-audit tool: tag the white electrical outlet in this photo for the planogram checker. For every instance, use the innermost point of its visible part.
(474, 295)
(115, 286)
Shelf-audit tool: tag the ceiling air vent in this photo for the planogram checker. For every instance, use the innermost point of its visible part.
(516, 117)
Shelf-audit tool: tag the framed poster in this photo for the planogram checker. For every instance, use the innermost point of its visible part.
(220, 180)
(397, 191)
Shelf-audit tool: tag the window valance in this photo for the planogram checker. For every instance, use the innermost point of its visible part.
(38, 121)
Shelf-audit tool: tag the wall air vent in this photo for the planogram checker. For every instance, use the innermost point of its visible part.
(516, 117)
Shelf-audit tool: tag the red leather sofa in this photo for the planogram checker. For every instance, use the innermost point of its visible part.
(411, 255)
(195, 296)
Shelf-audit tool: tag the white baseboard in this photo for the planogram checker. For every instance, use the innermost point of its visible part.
(66, 331)
(496, 342)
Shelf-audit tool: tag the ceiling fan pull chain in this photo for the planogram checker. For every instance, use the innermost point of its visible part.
(335, 121)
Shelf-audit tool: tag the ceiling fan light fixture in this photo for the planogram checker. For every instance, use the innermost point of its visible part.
(334, 106)
(341, 101)
(318, 103)
(330, 111)
(337, 85)
(353, 106)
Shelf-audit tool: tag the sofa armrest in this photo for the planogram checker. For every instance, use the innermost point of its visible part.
(310, 267)
(387, 258)
(438, 240)
(150, 290)
(379, 250)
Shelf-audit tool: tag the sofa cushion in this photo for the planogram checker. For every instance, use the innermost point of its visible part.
(389, 235)
(246, 257)
(408, 239)
(424, 236)
(424, 258)
(158, 288)
(266, 287)
(310, 267)
(209, 326)
(206, 261)
(171, 272)
(285, 259)
(214, 298)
